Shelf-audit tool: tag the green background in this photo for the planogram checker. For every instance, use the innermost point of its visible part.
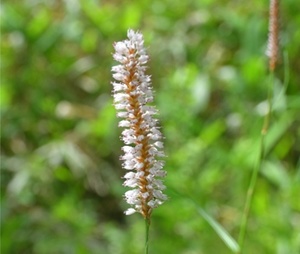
(61, 178)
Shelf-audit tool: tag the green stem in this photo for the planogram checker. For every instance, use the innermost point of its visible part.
(249, 197)
(147, 226)
(251, 189)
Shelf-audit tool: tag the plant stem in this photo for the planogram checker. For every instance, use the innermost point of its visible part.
(147, 226)
(249, 197)
(251, 189)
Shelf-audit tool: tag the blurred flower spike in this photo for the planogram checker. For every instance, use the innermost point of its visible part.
(273, 39)
(143, 149)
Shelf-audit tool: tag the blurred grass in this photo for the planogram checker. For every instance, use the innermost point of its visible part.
(61, 186)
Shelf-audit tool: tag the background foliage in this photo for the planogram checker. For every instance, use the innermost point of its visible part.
(61, 186)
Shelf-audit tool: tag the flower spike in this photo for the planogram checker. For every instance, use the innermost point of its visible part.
(141, 135)
(273, 41)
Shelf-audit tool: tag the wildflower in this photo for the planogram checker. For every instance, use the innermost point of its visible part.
(273, 42)
(141, 136)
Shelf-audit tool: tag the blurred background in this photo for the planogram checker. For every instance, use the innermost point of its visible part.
(61, 178)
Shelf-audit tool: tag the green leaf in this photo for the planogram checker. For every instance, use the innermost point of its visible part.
(222, 233)
(217, 227)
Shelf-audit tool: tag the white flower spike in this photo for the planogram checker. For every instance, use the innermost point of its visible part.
(142, 137)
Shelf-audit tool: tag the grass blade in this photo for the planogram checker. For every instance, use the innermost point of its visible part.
(222, 233)
(229, 241)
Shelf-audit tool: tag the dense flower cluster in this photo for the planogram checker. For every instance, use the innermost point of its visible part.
(142, 137)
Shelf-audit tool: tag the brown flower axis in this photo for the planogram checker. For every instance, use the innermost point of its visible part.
(137, 114)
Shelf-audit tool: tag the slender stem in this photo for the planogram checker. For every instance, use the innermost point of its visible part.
(273, 46)
(251, 189)
(249, 197)
(147, 226)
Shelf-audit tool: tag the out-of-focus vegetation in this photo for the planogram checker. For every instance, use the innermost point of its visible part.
(61, 186)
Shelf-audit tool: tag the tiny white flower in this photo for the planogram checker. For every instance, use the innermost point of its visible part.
(143, 59)
(119, 76)
(124, 123)
(120, 97)
(129, 175)
(132, 182)
(159, 144)
(130, 211)
(122, 114)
